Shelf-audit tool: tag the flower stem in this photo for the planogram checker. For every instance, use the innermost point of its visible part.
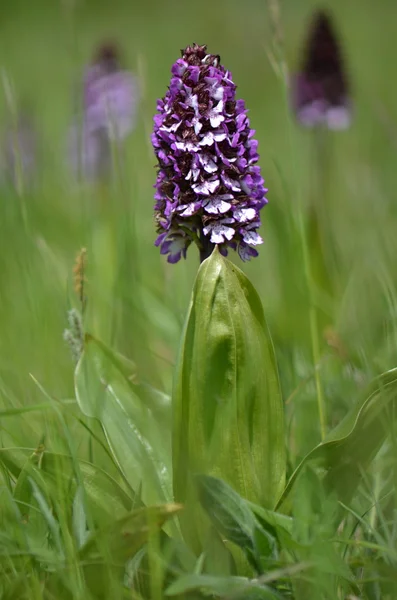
(205, 248)
(204, 254)
(314, 334)
(322, 415)
(307, 263)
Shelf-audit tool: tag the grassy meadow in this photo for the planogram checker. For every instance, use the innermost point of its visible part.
(67, 470)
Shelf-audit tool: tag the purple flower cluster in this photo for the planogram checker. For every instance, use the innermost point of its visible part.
(320, 91)
(209, 188)
(110, 97)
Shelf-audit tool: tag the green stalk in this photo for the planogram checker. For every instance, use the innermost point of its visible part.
(307, 265)
(314, 330)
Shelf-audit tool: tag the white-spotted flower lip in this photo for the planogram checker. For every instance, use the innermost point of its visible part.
(243, 215)
(220, 231)
(208, 186)
(210, 137)
(217, 205)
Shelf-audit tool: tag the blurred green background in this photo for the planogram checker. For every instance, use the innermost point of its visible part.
(136, 301)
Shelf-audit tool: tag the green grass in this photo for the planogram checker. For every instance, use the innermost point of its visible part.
(137, 304)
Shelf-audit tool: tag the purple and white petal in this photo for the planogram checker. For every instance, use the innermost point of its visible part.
(186, 146)
(219, 231)
(179, 68)
(246, 252)
(230, 183)
(251, 237)
(242, 215)
(217, 205)
(207, 139)
(193, 174)
(215, 115)
(187, 210)
(172, 127)
(206, 187)
(207, 162)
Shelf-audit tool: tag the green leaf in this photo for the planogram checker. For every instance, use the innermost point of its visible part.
(348, 449)
(14, 459)
(234, 519)
(79, 519)
(50, 519)
(105, 497)
(140, 444)
(227, 510)
(122, 538)
(11, 412)
(23, 489)
(238, 588)
(32, 518)
(228, 411)
(272, 520)
(107, 550)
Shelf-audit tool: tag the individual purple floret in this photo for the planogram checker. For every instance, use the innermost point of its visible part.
(320, 92)
(209, 189)
(110, 97)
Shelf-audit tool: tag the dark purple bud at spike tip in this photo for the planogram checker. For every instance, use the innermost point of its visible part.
(107, 57)
(320, 91)
(209, 189)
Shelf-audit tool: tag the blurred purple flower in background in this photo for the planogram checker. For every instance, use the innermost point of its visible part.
(110, 98)
(209, 188)
(320, 93)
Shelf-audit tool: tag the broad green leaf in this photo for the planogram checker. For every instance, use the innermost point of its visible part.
(156, 400)
(227, 510)
(348, 449)
(140, 444)
(228, 411)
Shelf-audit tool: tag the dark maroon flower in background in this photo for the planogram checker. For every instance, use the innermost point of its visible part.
(209, 187)
(110, 98)
(320, 92)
